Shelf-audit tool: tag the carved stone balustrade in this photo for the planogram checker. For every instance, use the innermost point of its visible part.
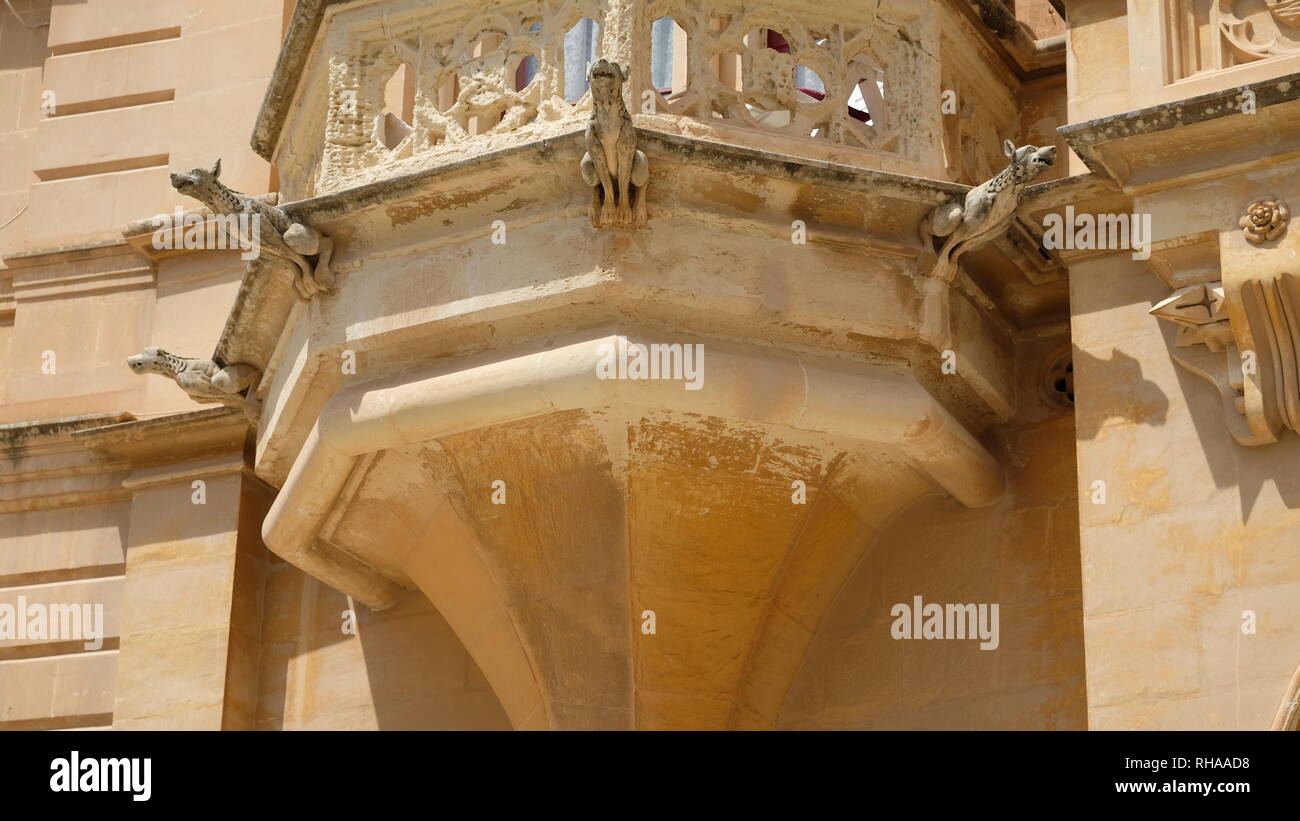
(856, 81)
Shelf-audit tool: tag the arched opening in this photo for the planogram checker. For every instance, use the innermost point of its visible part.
(668, 57)
(581, 47)
(398, 112)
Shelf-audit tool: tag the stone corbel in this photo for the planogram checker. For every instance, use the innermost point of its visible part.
(1241, 333)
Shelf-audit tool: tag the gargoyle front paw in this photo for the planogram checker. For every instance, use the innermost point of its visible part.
(608, 214)
(323, 279)
(305, 287)
(625, 218)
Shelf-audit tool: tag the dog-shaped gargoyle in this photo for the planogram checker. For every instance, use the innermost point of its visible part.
(987, 211)
(613, 166)
(277, 234)
(204, 380)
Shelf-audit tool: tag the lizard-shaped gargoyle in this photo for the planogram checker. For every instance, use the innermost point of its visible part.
(277, 234)
(204, 380)
(987, 211)
(613, 166)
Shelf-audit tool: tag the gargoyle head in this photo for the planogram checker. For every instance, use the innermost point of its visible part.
(152, 360)
(606, 79)
(1028, 161)
(195, 183)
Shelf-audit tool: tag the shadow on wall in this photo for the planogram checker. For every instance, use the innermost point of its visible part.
(24, 33)
(1022, 555)
(1232, 464)
(1121, 392)
(421, 677)
(330, 663)
(1249, 469)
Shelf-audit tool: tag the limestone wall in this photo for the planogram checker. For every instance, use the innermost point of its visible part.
(137, 89)
(1022, 554)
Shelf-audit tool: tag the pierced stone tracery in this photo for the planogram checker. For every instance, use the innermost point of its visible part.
(791, 68)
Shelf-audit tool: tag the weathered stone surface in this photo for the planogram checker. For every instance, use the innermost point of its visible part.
(559, 546)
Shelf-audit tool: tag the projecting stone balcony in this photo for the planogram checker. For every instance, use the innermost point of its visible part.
(440, 421)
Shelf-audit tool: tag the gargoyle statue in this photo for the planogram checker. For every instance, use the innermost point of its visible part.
(204, 380)
(278, 235)
(987, 211)
(613, 166)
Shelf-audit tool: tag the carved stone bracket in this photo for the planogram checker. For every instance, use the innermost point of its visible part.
(1243, 338)
(1236, 302)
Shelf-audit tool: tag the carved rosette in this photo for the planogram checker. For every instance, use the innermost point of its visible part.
(1265, 221)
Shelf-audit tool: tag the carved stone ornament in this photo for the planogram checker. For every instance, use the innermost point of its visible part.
(1243, 337)
(1265, 221)
(277, 234)
(987, 210)
(1254, 30)
(613, 166)
(204, 380)
(1286, 11)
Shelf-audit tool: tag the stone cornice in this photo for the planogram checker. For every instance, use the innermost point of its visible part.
(264, 304)
(140, 234)
(78, 269)
(51, 431)
(186, 472)
(716, 155)
(103, 458)
(168, 439)
(1193, 139)
(294, 52)
(45, 466)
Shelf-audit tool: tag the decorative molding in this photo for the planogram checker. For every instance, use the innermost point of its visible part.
(77, 270)
(45, 466)
(1265, 221)
(1184, 139)
(1203, 37)
(165, 440)
(1243, 337)
(1253, 33)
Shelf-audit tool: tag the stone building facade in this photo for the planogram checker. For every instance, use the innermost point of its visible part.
(750, 364)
